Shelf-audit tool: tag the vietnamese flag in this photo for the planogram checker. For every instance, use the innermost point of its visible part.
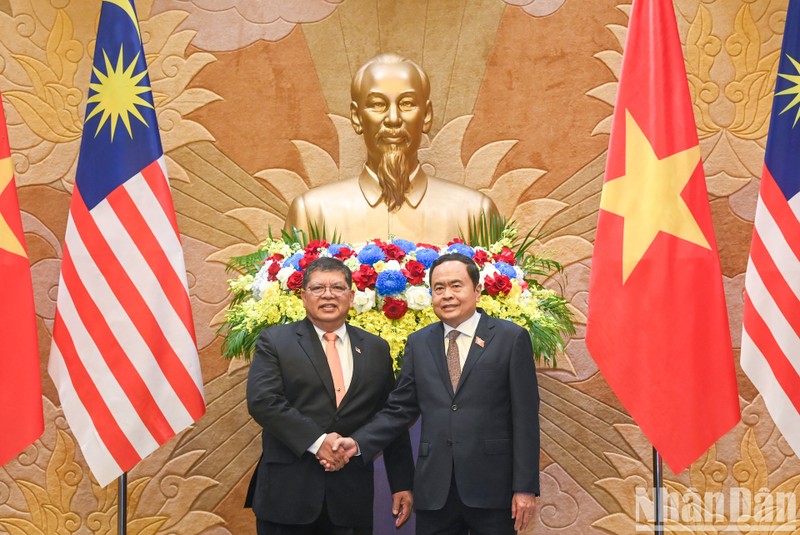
(21, 420)
(657, 323)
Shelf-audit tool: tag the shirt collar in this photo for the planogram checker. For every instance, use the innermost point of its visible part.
(371, 188)
(341, 332)
(467, 327)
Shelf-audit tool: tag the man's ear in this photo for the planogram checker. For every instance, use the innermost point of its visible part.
(354, 118)
(426, 125)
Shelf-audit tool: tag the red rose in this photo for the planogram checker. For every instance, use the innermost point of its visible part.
(497, 284)
(394, 309)
(480, 257)
(273, 270)
(380, 243)
(429, 246)
(414, 272)
(313, 245)
(454, 240)
(393, 252)
(365, 277)
(295, 280)
(344, 253)
(506, 255)
(307, 259)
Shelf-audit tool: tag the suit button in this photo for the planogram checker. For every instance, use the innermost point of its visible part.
(449, 442)
(454, 408)
(336, 418)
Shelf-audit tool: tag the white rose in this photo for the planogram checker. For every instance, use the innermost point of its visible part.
(283, 276)
(418, 298)
(364, 301)
(393, 265)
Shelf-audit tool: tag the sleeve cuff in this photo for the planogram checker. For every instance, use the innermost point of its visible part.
(317, 444)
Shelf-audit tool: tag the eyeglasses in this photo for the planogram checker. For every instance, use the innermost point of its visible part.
(336, 290)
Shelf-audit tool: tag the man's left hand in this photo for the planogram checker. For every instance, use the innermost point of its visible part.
(402, 504)
(522, 508)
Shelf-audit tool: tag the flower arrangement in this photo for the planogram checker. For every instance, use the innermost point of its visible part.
(392, 297)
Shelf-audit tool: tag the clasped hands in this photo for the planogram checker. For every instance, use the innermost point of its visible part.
(336, 451)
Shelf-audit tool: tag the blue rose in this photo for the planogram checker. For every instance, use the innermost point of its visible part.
(506, 269)
(390, 282)
(405, 245)
(461, 248)
(294, 260)
(426, 256)
(370, 254)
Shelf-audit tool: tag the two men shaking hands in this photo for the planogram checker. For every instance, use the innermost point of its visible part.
(325, 394)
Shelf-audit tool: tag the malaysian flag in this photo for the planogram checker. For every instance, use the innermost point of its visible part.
(771, 333)
(124, 355)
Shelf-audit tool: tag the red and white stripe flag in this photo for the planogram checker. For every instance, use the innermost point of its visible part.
(124, 356)
(771, 331)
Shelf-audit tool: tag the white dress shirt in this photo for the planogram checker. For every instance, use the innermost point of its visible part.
(346, 358)
(464, 341)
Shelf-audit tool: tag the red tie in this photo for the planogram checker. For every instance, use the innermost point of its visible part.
(335, 364)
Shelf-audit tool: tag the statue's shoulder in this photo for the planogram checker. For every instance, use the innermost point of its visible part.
(330, 191)
(441, 188)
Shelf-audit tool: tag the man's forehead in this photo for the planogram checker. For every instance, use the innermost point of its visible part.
(324, 276)
(391, 78)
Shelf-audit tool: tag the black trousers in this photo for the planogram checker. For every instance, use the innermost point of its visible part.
(321, 526)
(455, 518)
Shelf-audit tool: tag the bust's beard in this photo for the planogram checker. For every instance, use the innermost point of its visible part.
(393, 177)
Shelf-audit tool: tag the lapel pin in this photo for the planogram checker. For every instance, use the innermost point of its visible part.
(479, 341)
(358, 350)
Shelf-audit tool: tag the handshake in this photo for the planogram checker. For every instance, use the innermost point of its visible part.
(336, 451)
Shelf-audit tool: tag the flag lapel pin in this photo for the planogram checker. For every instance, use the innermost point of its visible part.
(358, 350)
(479, 341)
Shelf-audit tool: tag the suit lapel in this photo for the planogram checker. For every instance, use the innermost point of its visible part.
(436, 347)
(309, 342)
(359, 364)
(484, 332)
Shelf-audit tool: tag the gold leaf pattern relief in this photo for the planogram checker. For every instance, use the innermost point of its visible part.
(702, 47)
(754, 78)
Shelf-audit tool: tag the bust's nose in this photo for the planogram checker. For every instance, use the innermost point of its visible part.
(393, 116)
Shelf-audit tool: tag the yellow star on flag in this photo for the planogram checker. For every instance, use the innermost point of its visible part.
(648, 196)
(8, 240)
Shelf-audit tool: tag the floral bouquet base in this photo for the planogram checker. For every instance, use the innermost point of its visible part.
(392, 297)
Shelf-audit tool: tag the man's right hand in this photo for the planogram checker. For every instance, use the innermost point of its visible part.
(328, 455)
(344, 446)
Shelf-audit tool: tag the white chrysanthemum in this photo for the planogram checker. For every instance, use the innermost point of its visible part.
(352, 263)
(393, 265)
(488, 269)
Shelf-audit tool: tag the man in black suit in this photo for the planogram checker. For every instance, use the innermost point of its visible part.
(473, 380)
(309, 382)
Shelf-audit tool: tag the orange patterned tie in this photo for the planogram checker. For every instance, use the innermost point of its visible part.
(335, 364)
(453, 360)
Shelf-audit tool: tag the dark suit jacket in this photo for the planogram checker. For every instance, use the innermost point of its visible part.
(290, 394)
(487, 431)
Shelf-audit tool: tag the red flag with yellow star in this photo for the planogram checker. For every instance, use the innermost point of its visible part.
(657, 323)
(21, 420)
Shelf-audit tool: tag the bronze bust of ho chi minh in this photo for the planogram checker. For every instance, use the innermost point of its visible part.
(392, 195)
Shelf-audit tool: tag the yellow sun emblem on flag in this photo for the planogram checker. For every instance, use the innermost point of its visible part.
(794, 90)
(116, 95)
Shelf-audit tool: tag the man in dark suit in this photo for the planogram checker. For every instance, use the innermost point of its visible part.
(309, 382)
(473, 380)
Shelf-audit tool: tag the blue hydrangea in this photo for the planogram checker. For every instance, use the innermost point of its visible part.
(426, 256)
(334, 248)
(506, 269)
(405, 245)
(370, 254)
(294, 260)
(390, 282)
(461, 248)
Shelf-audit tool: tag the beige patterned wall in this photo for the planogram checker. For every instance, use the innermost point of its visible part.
(252, 100)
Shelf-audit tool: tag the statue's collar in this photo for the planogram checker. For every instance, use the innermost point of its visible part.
(370, 187)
